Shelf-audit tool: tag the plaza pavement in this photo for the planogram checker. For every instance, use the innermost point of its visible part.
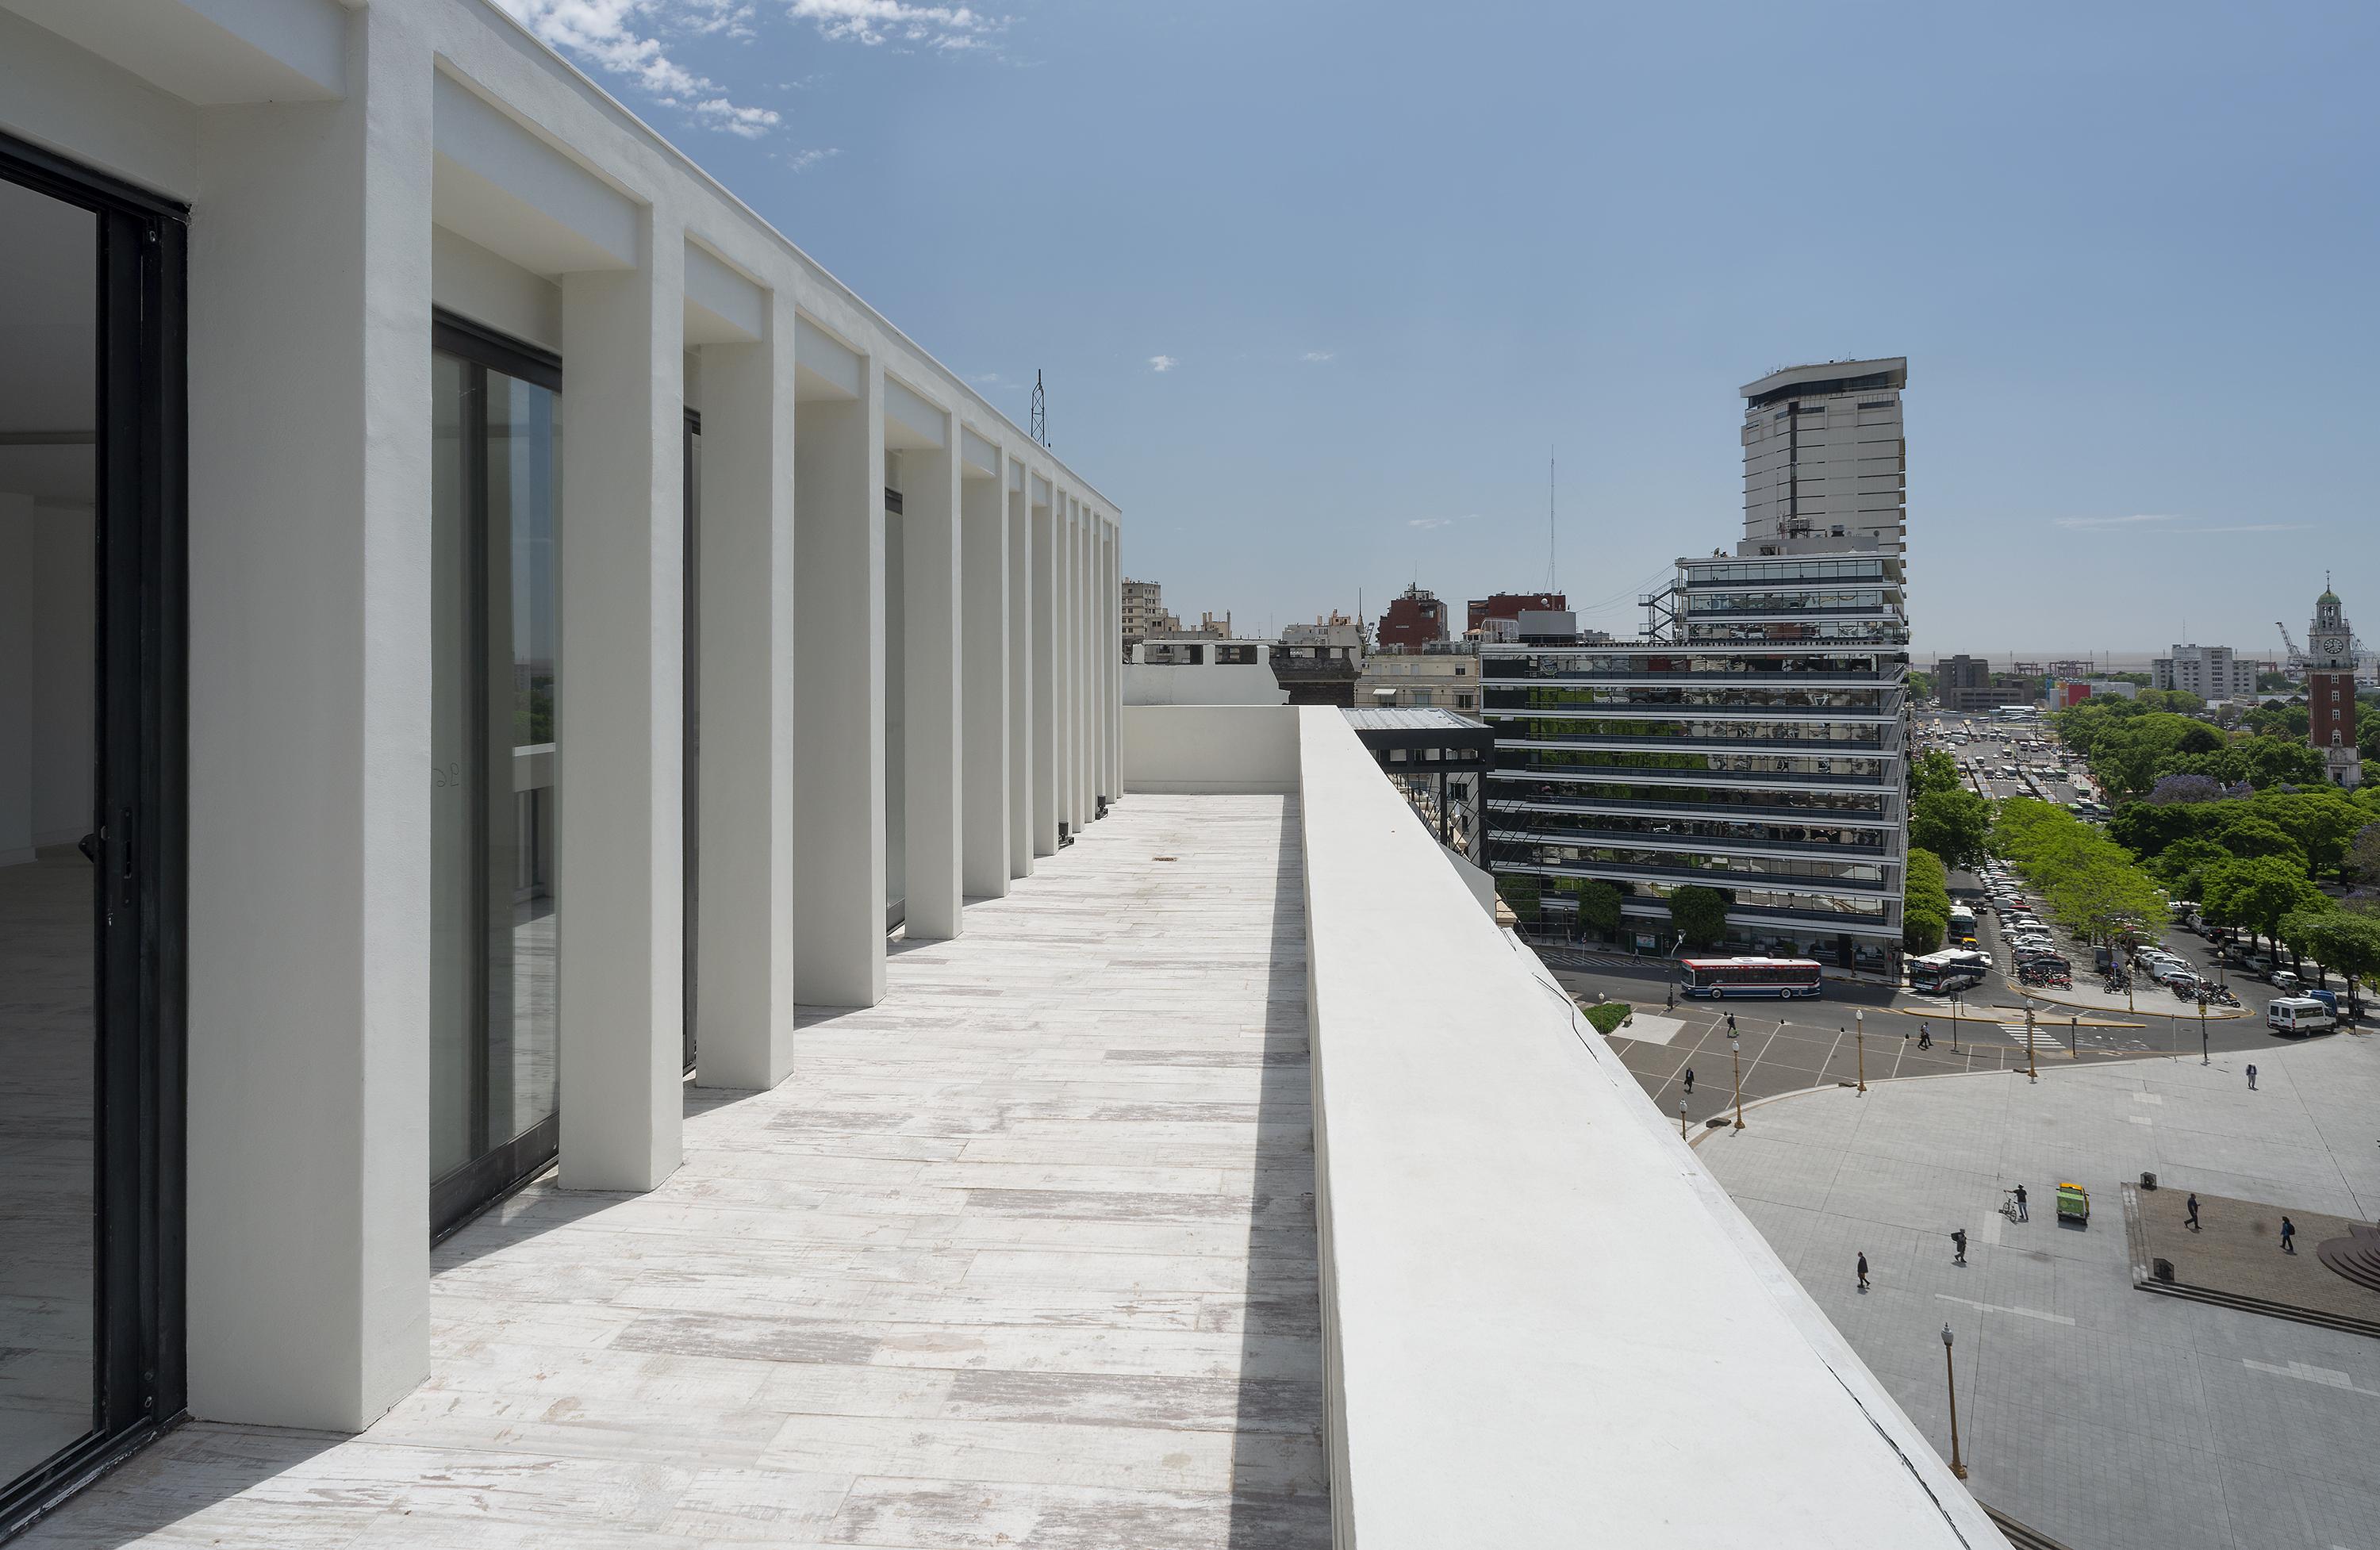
(2109, 1418)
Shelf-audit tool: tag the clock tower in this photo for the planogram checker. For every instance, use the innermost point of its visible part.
(2330, 689)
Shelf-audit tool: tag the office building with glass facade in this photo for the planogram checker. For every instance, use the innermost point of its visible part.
(487, 626)
(1752, 742)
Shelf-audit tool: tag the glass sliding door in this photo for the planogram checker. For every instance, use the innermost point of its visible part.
(495, 511)
(91, 841)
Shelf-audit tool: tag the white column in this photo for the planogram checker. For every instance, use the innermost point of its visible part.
(839, 684)
(983, 617)
(1045, 669)
(1020, 670)
(307, 1153)
(744, 968)
(929, 572)
(619, 759)
(1062, 616)
(1079, 643)
(1112, 659)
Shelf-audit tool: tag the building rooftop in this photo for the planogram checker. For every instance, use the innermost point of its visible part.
(1831, 376)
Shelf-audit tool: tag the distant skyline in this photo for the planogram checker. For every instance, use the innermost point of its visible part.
(1315, 287)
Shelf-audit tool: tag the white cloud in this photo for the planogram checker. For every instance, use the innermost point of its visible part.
(2252, 527)
(1426, 523)
(2108, 520)
(750, 123)
(876, 22)
(803, 160)
(1162, 363)
(1318, 357)
(616, 36)
(986, 379)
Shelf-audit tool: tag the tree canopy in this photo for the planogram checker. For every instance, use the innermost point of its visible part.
(1925, 903)
(1699, 914)
(2255, 892)
(2087, 881)
(1954, 825)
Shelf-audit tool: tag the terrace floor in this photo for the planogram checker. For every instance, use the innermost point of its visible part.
(1023, 1256)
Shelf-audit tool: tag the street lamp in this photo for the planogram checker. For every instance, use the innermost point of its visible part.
(1735, 1053)
(1860, 1019)
(2203, 1058)
(1951, 1371)
(1681, 1118)
(2031, 1074)
(1954, 1022)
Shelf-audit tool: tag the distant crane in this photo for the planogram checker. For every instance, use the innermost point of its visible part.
(2296, 658)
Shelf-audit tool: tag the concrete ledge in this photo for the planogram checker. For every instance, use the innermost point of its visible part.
(1542, 1317)
(1214, 749)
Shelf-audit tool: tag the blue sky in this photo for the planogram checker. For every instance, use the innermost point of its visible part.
(1315, 287)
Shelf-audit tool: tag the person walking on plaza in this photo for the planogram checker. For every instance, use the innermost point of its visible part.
(2252, 1078)
(1958, 1245)
(2023, 1213)
(2192, 1222)
(1925, 1037)
(1689, 1081)
(2288, 1236)
(1863, 1270)
(1730, 1024)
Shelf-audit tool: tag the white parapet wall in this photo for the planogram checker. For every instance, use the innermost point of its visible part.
(1545, 1322)
(1211, 748)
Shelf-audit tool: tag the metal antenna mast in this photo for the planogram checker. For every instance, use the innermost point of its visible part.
(1550, 584)
(1039, 427)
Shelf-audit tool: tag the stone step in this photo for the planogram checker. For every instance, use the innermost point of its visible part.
(2018, 1535)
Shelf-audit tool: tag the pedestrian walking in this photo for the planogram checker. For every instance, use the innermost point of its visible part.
(1863, 1270)
(2288, 1236)
(2252, 1078)
(2023, 1213)
(1958, 1245)
(2191, 1222)
(1690, 1080)
(1730, 1024)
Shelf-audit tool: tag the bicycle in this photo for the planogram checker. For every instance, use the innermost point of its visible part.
(2008, 1205)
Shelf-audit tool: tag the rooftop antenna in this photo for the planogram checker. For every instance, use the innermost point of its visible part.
(1550, 587)
(1039, 427)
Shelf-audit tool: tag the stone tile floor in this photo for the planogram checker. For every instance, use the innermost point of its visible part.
(1023, 1256)
(2109, 1418)
(2236, 1248)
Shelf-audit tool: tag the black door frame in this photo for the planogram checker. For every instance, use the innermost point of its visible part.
(497, 1167)
(139, 800)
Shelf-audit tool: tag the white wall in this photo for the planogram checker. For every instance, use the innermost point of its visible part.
(1205, 683)
(1209, 749)
(1542, 1316)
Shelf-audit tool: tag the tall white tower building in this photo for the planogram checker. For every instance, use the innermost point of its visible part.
(1824, 456)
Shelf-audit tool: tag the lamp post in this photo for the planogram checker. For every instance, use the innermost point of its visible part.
(1681, 1118)
(2203, 1058)
(1859, 1018)
(1735, 1054)
(2031, 1074)
(2073, 1037)
(1951, 1371)
(1954, 1022)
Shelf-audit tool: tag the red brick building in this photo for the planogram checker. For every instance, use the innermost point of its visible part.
(1413, 622)
(1508, 605)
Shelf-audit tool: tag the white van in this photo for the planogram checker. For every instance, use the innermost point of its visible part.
(2298, 1016)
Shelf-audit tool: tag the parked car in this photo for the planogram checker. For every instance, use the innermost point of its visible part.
(2285, 982)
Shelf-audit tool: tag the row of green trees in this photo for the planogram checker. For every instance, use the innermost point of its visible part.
(1696, 914)
(1925, 901)
(1945, 817)
(2131, 744)
(2087, 882)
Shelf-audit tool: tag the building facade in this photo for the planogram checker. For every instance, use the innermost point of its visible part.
(1320, 663)
(1144, 613)
(2211, 673)
(1961, 682)
(425, 500)
(1752, 742)
(1415, 619)
(2330, 689)
(1823, 454)
(1444, 674)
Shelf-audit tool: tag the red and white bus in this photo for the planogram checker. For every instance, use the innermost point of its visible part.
(1730, 978)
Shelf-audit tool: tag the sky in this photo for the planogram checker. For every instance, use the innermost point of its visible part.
(1318, 287)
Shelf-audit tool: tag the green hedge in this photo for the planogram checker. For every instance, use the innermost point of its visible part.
(1609, 1015)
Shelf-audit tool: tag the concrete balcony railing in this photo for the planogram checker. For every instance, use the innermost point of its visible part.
(1544, 1322)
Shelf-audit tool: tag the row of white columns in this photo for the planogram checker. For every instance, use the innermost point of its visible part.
(311, 686)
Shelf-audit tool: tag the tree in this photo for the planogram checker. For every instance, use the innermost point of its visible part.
(2347, 940)
(2364, 854)
(2256, 891)
(2171, 789)
(2244, 833)
(1598, 906)
(1954, 825)
(1934, 771)
(1925, 903)
(2086, 881)
(2200, 740)
(1920, 686)
(2183, 864)
(1698, 913)
(2302, 931)
(2264, 761)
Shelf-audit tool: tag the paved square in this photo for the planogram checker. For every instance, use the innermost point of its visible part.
(2109, 1418)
